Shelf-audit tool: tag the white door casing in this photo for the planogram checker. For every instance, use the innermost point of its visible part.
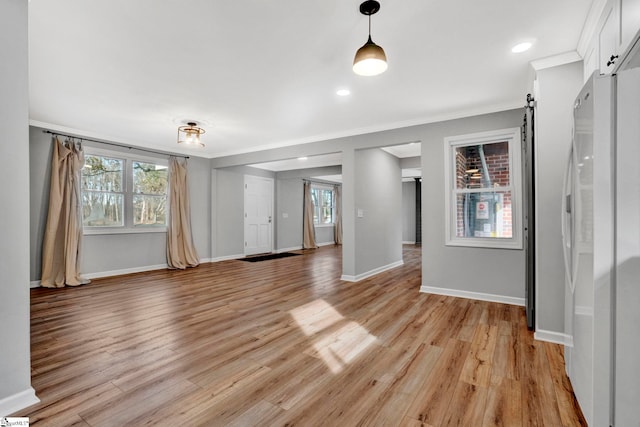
(258, 215)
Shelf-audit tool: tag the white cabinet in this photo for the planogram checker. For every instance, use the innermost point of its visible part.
(629, 21)
(617, 27)
(608, 39)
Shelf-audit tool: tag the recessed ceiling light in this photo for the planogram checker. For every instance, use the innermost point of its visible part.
(343, 92)
(521, 47)
(302, 158)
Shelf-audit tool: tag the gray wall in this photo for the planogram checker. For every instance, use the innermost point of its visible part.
(228, 219)
(227, 209)
(489, 271)
(378, 194)
(325, 235)
(409, 211)
(289, 200)
(15, 389)
(112, 253)
(557, 90)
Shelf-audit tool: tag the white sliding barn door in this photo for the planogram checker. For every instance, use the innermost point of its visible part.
(258, 215)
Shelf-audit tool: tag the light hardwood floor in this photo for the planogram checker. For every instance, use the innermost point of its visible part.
(286, 343)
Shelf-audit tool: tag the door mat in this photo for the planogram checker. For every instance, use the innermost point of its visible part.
(268, 257)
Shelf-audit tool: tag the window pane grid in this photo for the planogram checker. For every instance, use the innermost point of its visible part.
(323, 206)
(483, 180)
(123, 193)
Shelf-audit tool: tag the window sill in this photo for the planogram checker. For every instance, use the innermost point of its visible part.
(323, 225)
(122, 230)
(479, 242)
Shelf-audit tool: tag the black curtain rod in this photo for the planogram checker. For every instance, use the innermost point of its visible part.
(113, 143)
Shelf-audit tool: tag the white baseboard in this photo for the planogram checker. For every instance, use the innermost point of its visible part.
(294, 248)
(18, 401)
(124, 271)
(472, 295)
(326, 243)
(408, 242)
(553, 337)
(227, 258)
(97, 275)
(349, 278)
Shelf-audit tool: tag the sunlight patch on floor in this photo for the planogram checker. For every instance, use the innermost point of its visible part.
(336, 344)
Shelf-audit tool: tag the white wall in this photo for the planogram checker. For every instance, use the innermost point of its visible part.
(109, 254)
(15, 373)
(494, 273)
(557, 90)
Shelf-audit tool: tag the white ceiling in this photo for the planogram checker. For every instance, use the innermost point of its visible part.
(262, 74)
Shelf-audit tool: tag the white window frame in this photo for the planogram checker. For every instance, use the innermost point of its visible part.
(128, 159)
(514, 139)
(333, 207)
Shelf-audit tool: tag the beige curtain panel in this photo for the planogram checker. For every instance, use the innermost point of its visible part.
(309, 231)
(63, 232)
(337, 211)
(181, 252)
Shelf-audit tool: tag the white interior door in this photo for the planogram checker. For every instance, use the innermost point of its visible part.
(258, 215)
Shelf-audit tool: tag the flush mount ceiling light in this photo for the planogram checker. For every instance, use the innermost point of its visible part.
(190, 134)
(521, 47)
(370, 59)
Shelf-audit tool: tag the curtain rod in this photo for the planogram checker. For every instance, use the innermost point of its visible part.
(113, 143)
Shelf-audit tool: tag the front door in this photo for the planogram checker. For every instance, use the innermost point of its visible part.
(258, 215)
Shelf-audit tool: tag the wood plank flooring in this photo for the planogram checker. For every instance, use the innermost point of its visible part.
(286, 343)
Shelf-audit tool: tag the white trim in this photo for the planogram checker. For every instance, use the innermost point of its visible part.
(472, 295)
(357, 278)
(554, 337)
(18, 401)
(205, 260)
(556, 60)
(95, 231)
(590, 26)
(408, 242)
(293, 248)
(120, 272)
(326, 243)
(34, 284)
(583, 310)
(227, 258)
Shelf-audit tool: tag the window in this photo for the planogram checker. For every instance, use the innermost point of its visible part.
(122, 193)
(323, 205)
(483, 189)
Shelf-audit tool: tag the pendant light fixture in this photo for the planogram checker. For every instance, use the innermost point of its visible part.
(370, 59)
(190, 134)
